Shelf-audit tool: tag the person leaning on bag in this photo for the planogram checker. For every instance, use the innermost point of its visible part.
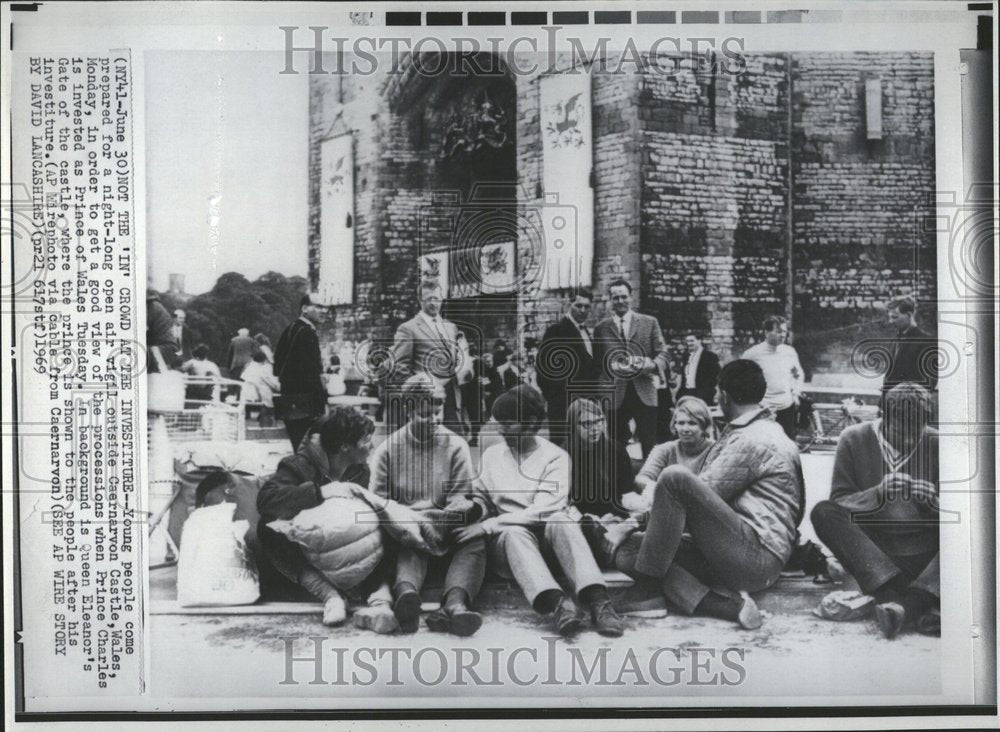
(298, 366)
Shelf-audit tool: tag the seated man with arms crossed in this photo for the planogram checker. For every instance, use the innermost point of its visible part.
(427, 467)
(881, 520)
(527, 479)
(731, 527)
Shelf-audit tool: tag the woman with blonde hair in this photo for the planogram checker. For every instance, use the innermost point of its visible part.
(692, 423)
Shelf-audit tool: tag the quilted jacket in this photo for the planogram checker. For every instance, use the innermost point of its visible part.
(756, 469)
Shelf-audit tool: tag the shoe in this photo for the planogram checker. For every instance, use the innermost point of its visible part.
(568, 617)
(606, 620)
(458, 621)
(377, 617)
(407, 611)
(642, 601)
(930, 623)
(749, 617)
(890, 617)
(334, 610)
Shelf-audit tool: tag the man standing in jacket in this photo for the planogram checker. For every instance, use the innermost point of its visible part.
(701, 371)
(298, 366)
(631, 351)
(565, 365)
(427, 343)
(913, 350)
(241, 346)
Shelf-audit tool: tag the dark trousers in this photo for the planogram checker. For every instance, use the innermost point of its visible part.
(862, 549)
(632, 407)
(466, 566)
(723, 548)
(788, 419)
(296, 429)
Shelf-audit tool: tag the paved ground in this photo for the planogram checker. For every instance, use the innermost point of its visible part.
(795, 656)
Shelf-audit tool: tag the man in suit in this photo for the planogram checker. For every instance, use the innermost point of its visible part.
(427, 343)
(182, 334)
(913, 350)
(701, 371)
(631, 351)
(298, 366)
(565, 365)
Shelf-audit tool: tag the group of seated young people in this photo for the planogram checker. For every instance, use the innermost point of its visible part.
(704, 523)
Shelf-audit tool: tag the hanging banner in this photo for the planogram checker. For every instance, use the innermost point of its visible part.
(336, 228)
(496, 267)
(567, 159)
(434, 269)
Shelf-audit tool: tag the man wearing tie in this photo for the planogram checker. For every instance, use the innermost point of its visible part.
(427, 343)
(701, 371)
(630, 352)
(565, 366)
(182, 334)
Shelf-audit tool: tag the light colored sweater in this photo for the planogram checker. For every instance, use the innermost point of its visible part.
(423, 475)
(525, 493)
(782, 372)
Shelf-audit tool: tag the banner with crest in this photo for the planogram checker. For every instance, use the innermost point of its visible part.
(567, 212)
(336, 195)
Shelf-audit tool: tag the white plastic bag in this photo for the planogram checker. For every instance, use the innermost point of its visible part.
(213, 568)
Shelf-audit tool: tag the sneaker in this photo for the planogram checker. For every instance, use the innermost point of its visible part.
(642, 601)
(606, 620)
(334, 610)
(377, 617)
(749, 617)
(407, 611)
(890, 617)
(458, 621)
(568, 617)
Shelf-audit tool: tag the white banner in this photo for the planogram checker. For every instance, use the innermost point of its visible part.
(567, 149)
(336, 232)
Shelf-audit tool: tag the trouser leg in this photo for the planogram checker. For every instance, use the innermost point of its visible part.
(467, 568)
(787, 418)
(568, 543)
(517, 554)
(411, 567)
(726, 541)
(296, 429)
(853, 546)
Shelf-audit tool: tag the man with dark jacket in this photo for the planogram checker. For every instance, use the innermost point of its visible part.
(631, 352)
(913, 350)
(336, 450)
(241, 347)
(298, 366)
(159, 334)
(565, 365)
(881, 520)
(701, 371)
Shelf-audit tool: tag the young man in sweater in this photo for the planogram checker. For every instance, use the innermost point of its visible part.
(428, 467)
(782, 372)
(881, 520)
(527, 479)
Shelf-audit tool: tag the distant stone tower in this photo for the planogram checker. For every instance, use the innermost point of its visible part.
(177, 284)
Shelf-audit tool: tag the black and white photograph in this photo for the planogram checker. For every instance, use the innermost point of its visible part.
(601, 361)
